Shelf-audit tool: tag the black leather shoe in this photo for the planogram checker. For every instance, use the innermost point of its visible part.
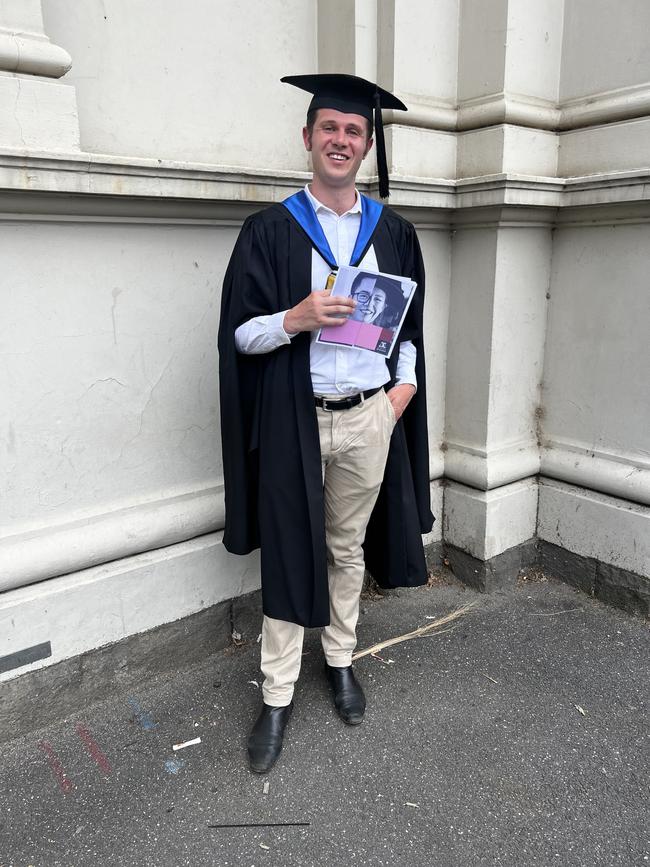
(265, 741)
(348, 696)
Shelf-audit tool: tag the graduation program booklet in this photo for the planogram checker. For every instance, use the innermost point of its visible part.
(382, 302)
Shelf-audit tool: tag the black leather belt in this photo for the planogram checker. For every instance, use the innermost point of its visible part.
(334, 403)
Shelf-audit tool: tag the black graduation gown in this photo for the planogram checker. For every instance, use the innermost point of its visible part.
(271, 449)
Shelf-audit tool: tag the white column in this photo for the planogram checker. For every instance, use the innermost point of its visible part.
(497, 326)
(508, 87)
(37, 111)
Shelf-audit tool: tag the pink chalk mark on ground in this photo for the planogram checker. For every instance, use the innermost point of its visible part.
(65, 783)
(93, 748)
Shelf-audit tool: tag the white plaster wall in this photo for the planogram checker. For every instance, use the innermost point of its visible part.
(25, 15)
(518, 330)
(98, 606)
(436, 252)
(424, 50)
(470, 335)
(595, 525)
(605, 46)
(609, 147)
(493, 150)
(497, 327)
(481, 58)
(112, 445)
(109, 324)
(487, 523)
(420, 153)
(534, 47)
(596, 396)
(198, 82)
(110, 366)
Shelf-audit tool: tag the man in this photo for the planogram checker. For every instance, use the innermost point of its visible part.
(320, 450)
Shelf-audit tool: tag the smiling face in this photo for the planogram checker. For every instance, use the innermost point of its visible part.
(376, 305)
(338, 143)
(362, 293)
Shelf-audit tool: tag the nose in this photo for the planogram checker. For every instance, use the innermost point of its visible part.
(339, 137)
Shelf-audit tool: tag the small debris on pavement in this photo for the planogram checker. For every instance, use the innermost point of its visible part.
(381, 659)
(254, 682)
(259, 638)
(173, 766)
(262, 825)
(417, 633)
(264, 846)
(141, 717)
(580, 710)
(410, 804)
(490, 678)
(265, 790)
(236, 638)
(186, 744)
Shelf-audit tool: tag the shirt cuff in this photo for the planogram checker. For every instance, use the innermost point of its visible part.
(405, 373)
(276, 326)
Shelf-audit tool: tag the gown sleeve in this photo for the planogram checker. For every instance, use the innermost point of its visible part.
(249, 290)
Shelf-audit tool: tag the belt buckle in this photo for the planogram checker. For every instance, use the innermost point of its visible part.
(327, 401)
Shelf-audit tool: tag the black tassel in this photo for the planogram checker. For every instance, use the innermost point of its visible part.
(380, 143)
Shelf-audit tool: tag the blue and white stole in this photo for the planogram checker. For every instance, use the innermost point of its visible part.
(301, 209)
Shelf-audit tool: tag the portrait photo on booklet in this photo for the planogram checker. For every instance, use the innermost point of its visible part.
(381, 304)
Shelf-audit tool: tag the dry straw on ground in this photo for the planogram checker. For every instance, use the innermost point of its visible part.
(429, 629)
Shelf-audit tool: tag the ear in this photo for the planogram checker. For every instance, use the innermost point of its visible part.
(369, 145)
(306, 137)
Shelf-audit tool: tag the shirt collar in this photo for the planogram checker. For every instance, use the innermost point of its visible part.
(320, 207)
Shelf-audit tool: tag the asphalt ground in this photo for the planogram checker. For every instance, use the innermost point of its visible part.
(519, 736)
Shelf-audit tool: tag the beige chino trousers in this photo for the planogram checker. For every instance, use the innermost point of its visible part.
(354, 447)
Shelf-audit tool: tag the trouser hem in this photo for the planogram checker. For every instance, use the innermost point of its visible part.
(277, 701)
(339, 661)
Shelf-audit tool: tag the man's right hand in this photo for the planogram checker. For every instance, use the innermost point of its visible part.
(317, 310)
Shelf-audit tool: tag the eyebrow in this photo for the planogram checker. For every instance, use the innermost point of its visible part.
(325, 121)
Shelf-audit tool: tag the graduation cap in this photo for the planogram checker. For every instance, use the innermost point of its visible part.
(352, 95)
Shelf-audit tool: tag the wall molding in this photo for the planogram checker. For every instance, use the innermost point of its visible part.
(84, 185)
(609, 106)
(32, 54)
(512, 108)
(50, 551)
(616, 473)
(492, 109)
(487, 469)
(625, 476)
(80, 543)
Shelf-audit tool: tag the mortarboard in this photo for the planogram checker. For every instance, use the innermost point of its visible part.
(352, 95)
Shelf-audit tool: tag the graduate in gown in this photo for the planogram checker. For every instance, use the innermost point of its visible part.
(273, 470)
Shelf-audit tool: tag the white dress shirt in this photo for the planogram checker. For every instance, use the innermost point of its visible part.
(334, 369)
